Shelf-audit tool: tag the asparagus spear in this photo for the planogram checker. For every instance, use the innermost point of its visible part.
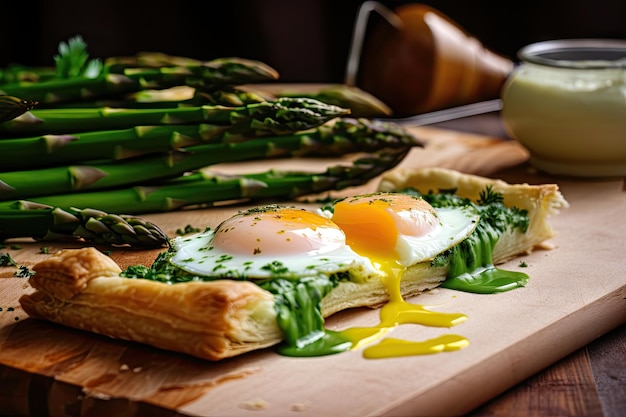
(228, 96)
(201, 188)
(53, 150)
(344, 136)
(209, 75)
(15, 73)
(358, 101)
(100, 176)
(282, 116)
(150, 60)
(48, 223)
(337, 137)
(180, 96)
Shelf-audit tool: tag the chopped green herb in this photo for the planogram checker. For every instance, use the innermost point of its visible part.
(7, 260)
(73, 60)
(23, 272)
(488, 196)
(188, 229)
(276, 268)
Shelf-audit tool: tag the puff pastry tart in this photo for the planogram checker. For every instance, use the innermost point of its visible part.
(270, 275)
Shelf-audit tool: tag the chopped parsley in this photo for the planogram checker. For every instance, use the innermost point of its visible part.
(7, 260)
(23, 272)
(188, 229)
(276, 268)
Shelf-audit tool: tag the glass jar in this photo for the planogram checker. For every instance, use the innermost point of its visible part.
(565, 102)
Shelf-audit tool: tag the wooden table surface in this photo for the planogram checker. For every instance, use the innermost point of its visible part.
(590, 382)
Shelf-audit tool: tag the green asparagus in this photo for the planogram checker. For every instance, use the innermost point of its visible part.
(234, 96)
(282, 116)
(150, 60)
(200, 188)
(16, 73)
(361, 103)
(54, 150)
(344, 136)
(46, 223)
(211, 75)
(334, 138)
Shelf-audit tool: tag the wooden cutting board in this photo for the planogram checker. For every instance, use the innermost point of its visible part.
(576, 293)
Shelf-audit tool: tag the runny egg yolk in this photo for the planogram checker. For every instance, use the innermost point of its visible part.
(372, 225)
(278, 232)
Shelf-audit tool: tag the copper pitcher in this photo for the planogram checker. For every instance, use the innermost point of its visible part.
(418, 60)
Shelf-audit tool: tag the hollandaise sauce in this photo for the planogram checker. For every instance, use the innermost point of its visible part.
(396, 312)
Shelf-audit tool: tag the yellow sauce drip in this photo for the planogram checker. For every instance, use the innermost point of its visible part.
(397, 347)
(397, 311)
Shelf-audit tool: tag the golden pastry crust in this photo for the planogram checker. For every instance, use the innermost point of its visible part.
(82, 288)
(211, 320)
(66, 274)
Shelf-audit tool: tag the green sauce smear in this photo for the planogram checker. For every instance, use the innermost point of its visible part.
(472, 269)
(297, 303)
(298, 307)
(470, 263)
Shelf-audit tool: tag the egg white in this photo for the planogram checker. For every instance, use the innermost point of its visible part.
(197, 254)
(455, 225)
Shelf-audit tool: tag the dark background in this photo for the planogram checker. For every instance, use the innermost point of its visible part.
(305, 40)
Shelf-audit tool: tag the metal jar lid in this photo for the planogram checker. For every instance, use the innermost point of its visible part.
(576, 53)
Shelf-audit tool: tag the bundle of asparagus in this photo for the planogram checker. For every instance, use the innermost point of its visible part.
(69, 163)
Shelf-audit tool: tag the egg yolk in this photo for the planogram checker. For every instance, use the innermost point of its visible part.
(372, 223)
(278, 232)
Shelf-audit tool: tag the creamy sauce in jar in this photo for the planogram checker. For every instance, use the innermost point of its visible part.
(566, 103)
